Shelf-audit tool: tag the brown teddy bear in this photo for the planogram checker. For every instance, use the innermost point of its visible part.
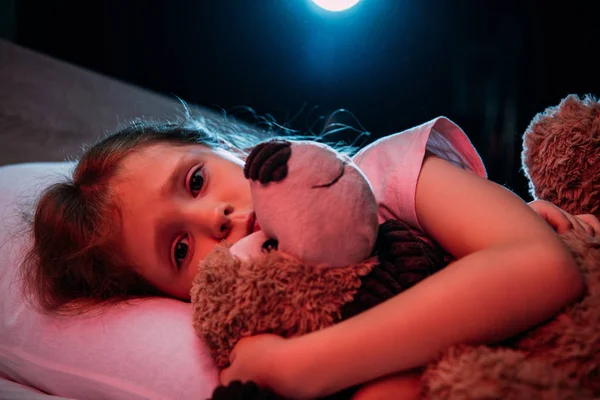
(561, 358)
(556, 360)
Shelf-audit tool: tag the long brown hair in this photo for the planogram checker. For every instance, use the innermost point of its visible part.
(74, 263)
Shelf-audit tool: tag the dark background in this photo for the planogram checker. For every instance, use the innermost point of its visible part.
(393, 64)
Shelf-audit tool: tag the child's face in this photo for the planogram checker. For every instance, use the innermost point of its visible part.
(178, 202)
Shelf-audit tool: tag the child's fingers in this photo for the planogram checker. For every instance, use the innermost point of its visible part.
(579, 226)
(228, 374)
(563, 222)
(224, 376)
(554, 216)
(591, 223)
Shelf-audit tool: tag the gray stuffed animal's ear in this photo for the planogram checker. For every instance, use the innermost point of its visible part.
(561, 155)
(267, 161)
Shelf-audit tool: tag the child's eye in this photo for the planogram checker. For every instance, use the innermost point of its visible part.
(180, 251)
(196, 181)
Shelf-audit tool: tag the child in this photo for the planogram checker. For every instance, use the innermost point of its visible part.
(146, 204)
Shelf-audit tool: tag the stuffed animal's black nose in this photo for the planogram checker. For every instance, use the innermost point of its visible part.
(267, 161)
(270, 245)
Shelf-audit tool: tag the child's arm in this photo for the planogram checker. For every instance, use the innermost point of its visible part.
(400, 386)
(511, 273)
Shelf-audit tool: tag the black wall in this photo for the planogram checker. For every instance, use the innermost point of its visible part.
(489, 66)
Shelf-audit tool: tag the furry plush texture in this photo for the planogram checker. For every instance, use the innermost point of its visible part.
(557, 360)
(273, 294)
(561, 155)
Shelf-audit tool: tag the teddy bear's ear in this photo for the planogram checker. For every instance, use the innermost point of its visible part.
(561, 155)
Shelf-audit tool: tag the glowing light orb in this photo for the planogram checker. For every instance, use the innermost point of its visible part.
(336, 5)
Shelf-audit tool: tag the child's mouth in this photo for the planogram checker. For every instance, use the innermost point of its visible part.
(253, 225)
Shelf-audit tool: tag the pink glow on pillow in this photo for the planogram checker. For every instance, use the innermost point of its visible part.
(146, 350)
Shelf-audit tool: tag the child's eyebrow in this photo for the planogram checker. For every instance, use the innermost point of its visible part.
(175, 178)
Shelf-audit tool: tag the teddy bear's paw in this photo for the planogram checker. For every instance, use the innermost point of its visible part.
(267, 161)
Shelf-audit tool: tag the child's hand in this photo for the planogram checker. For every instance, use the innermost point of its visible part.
(262, 359)
(563, 222)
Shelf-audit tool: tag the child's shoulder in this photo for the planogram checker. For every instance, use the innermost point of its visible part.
(393, 163)
(439, 136)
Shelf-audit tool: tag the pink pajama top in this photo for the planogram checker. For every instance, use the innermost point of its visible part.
(393, 164)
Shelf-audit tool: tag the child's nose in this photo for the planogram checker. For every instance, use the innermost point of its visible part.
(221, 224)
(214, 219)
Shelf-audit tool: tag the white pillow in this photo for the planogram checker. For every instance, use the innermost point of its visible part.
(145, 351)
(14, 390)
